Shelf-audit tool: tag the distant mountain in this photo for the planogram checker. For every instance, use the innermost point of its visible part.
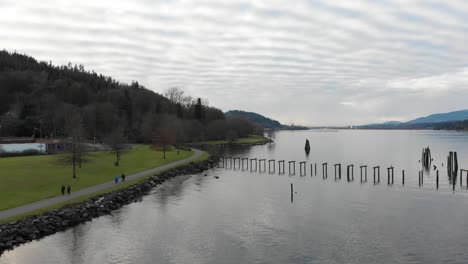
(254, 117)
(443, 117)
(451, 120)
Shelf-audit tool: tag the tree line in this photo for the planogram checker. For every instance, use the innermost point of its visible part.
(40, 99)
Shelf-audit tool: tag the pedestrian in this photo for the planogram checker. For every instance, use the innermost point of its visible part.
(63, 189)
(116, 179)
(68, 189)
(123, 177)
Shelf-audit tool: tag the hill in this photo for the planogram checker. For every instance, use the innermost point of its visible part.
(452, 120)
(254, 117)
(442, 117)
(43, 100)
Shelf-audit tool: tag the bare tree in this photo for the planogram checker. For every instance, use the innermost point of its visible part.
(163, 138)
(117, 142)
(175, 95)
(74, 143)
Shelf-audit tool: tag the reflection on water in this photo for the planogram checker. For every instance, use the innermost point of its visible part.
(245, 217)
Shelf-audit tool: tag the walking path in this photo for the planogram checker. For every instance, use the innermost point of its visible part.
(58, 199)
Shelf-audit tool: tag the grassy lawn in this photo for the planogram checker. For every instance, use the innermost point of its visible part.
(204, 156)
(28, 179)
(252, 139)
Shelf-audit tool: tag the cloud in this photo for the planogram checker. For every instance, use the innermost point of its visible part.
(311, 62)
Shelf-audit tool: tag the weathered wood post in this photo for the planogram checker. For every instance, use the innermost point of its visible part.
(437, 179)
(338, 165)
(271, 161)
(230, 162)
(419, 178)
(292, 193)
(280, 162)
(422, 177)
(378, 174)
(350, 172)
(377, 168)
(403, 177)
(294, 167)
(388, 176)
(247, 163)
(391, 168)
(461, 175)
(365, 171)
(347, 173)
(256, 165)
(311, 170)
(453, 185)
(315, 169)
(260, 165)
(234, 161)
(302, 165)
(324, 170)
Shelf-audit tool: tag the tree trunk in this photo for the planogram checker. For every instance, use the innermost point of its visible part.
(74, 158)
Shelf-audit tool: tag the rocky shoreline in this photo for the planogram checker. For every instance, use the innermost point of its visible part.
(39, 226)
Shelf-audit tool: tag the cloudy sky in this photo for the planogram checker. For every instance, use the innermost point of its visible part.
(309, 62)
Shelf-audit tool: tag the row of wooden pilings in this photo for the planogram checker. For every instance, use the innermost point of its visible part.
(243, 163)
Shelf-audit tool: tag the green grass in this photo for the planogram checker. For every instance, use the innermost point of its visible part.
(204, 156)
(25, 180)
(252, 139)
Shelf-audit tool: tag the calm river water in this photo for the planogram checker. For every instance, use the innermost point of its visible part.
(249, 217)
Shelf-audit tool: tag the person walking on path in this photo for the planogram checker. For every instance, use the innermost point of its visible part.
(123, 177)
(63, 189)
(116, 179)
(68, 189)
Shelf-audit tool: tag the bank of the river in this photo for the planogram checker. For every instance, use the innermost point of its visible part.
(50, 222)
(250, 140)
(35, 178)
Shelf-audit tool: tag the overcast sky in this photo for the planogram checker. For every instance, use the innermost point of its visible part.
(308, 62)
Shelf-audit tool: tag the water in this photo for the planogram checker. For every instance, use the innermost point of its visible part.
(245, 217)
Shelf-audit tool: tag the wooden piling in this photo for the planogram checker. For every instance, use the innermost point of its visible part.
(388, 176)
(256, 165)
(393, 175)
(403, 177)
(363, 167)
(350, 172)
(294, 167)
(376, 168)
(280, 162)
(461, 175)
(247, 163)
(236, 158)
(324, 170)
(337, 170)
(260, 164)
(419, 178)
(271, 161)
(437, 179)
(302, 166)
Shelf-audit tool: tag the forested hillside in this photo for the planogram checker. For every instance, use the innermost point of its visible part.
(254, 117)
(42, 100)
